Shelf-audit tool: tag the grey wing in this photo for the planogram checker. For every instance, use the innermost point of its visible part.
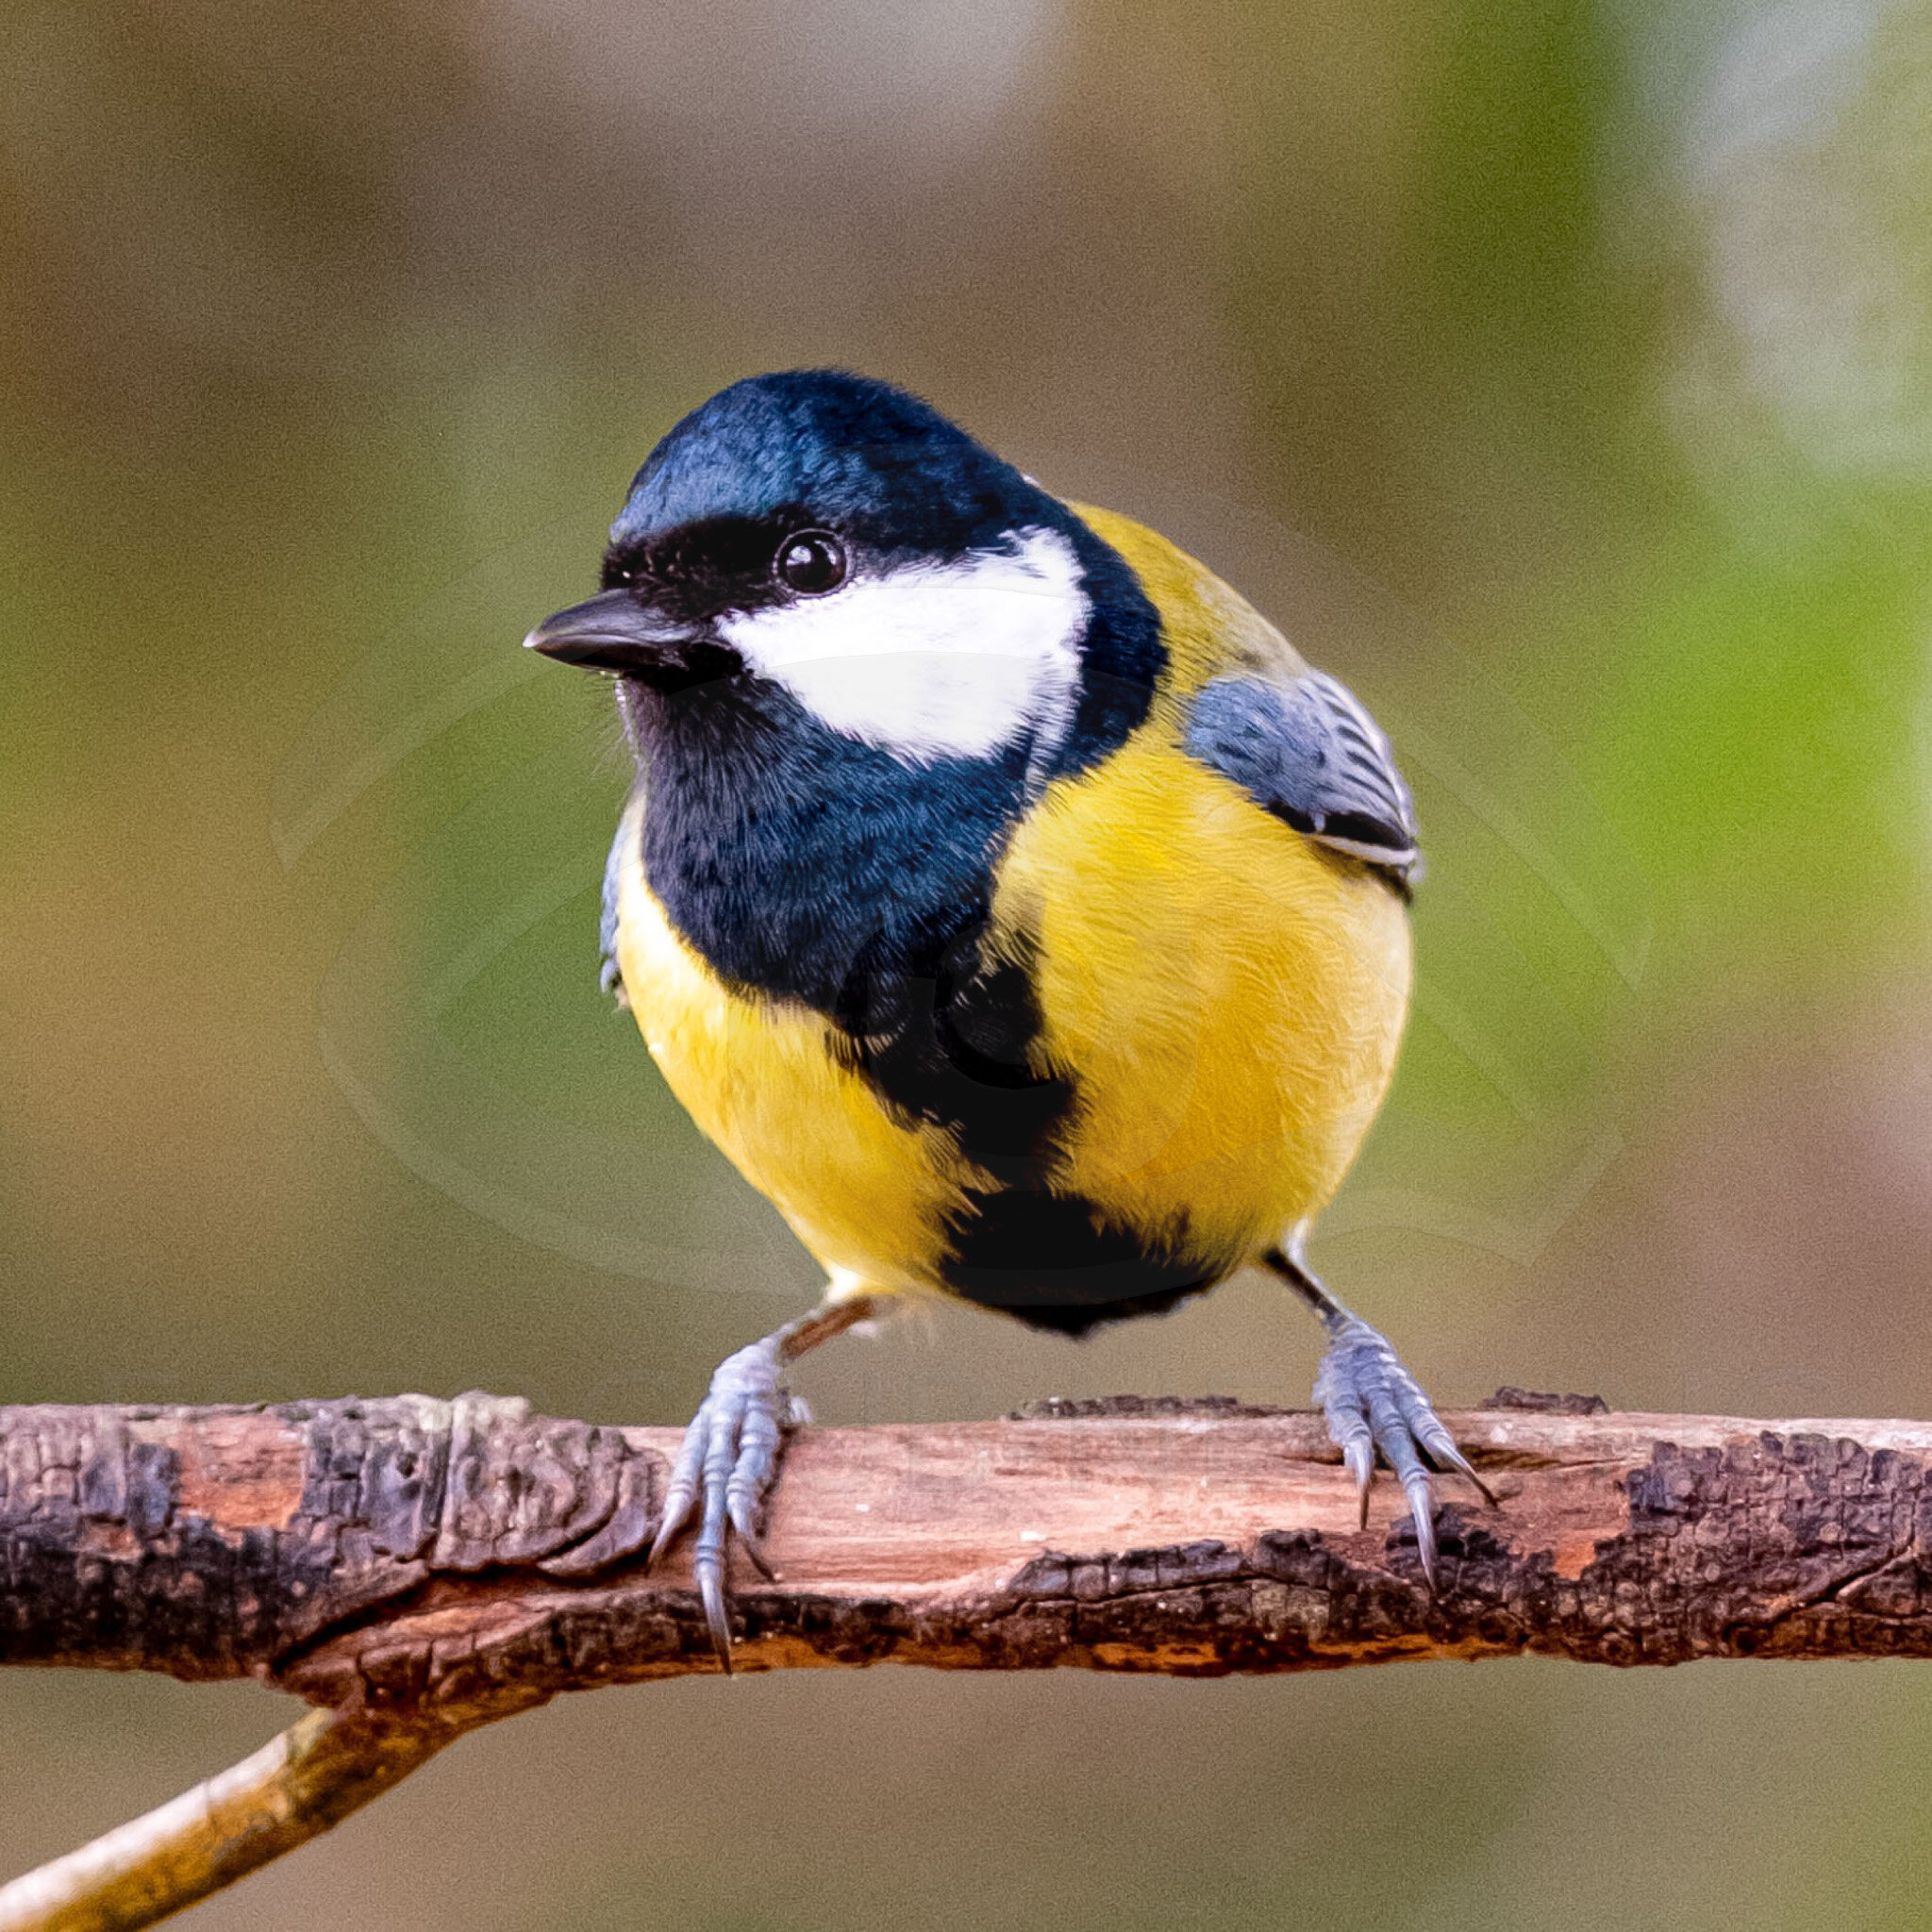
(609, 973)
(1310, 753)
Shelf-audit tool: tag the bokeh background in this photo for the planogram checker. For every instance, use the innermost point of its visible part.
(1561, 373)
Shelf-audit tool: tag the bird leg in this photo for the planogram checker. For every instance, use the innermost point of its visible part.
(1371, 1403)
(728, 1459)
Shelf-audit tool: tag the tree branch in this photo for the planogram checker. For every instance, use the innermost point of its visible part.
(417, 1568)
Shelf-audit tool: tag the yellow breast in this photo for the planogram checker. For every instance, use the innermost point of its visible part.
(866, 1193)
(1231, 998)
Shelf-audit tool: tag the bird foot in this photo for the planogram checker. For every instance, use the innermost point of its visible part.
(727, 1463)
(1373, 1403)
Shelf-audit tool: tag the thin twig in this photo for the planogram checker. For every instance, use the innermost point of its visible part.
(295, 1788)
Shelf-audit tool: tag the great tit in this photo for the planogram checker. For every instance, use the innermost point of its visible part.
(1000, 891)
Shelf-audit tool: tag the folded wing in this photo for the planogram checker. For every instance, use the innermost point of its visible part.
(1308, 752)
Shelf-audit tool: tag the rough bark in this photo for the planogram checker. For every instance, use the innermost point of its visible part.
(459, 1561)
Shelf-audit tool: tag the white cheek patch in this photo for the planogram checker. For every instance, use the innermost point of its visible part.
(935, 660)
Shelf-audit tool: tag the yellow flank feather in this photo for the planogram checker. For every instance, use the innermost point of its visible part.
(1228, 996)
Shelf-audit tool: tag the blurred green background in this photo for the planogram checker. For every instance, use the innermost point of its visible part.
(1560, 373)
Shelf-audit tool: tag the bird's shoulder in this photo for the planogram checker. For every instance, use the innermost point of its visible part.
(1245, 703)
(1207, 628)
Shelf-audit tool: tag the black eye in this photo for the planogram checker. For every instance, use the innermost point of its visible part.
(810, 562)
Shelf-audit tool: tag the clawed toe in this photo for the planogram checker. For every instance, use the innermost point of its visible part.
(724, 1468)
(1373, 1404)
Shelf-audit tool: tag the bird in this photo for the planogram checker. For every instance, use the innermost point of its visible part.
(1001, 891)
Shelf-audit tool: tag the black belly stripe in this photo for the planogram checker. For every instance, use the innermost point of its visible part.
(1053, 1262)
(951, 1040)
(956, 1042)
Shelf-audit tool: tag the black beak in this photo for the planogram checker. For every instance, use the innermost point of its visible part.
(615, 632)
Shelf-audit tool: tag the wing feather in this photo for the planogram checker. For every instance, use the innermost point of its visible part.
(1310, 752)
(609, 973)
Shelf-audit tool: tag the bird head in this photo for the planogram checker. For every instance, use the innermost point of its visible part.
(833, 539)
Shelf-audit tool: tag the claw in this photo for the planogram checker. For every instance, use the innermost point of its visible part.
(710, 1576)
(743, 1510)
(1373, 1404)
(725, 1466)
(1358, 1457)
(1421, 1508)
(1441, 1447)
(681, 1494)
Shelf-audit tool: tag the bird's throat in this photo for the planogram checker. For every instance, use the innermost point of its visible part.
(796, 860)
